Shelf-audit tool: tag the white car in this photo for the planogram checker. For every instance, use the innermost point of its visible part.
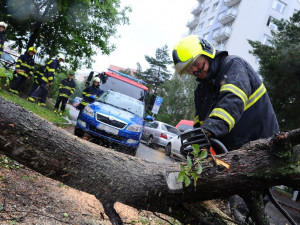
(174, 145)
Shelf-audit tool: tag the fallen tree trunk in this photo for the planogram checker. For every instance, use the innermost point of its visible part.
(116, 177)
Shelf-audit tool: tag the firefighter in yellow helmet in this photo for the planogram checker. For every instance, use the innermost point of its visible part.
(231, 101)
(24, 70)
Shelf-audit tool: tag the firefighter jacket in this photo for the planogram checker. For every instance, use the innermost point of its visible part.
(25, 65)
(1, 42)
(232, 103)
(66, 88)
(87, 92)
(49, 73)
(38, 74)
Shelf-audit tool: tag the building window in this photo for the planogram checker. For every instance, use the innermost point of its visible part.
(210, 21)
(205, 12)
(271, 23)
(215, 6)
(200, 26)
(279, 6)
(267, 40)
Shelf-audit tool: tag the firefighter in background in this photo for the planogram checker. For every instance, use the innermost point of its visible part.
(89, 94)
(41, 93)
(37, 77)
(66, 89)
(24, 70)
(3, 27)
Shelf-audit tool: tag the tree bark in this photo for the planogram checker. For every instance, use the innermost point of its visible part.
(116, 177)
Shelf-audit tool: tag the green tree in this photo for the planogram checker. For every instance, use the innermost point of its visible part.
(279, 67)
(77, 28)
(158, 72)
(178, 102)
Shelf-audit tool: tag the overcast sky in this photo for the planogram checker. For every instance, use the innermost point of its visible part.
(152, 25)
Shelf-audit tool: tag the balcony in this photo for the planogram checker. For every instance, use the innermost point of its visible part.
(230, 3)
(227, 16)
(197, 9)
(223, 34)
(220, 47)
(192, 23)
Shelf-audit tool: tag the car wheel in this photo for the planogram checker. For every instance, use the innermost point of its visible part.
(132, 151)
(168, 149)
(150, 142)
(78, 132)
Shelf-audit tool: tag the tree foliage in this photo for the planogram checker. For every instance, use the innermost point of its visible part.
(158, 72)
(279, 67)
(78, 28)
(178, 103)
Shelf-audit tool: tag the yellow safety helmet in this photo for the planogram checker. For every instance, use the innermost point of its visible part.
(188, 49)
(32, 49)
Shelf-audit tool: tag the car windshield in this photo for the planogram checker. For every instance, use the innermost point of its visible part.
(8, 58)
(184, 127)
(172, 130)
(111, 83)
(123, 102)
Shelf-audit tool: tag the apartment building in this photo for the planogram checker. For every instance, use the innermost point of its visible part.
(228, 24)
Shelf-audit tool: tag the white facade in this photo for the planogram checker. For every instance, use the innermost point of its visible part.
(229, 24)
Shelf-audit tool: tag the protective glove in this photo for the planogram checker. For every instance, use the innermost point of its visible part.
(197, 136)
(92, 97)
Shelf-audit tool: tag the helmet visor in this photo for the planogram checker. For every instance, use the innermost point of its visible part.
(192, 67)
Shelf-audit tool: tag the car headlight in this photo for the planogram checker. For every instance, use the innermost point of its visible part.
(88, 111)
(135, 128)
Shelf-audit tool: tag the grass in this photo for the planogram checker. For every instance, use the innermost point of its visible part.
(46, 113)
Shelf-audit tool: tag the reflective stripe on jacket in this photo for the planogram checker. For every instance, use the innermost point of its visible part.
(87, 92)
(50, 70)
(66, 88)
(232, 103)
(25, 64)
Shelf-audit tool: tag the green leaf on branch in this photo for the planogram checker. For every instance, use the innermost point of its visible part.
(187, 181)
(189, 162)
(199, 169)
(181, 176)
(203, 154)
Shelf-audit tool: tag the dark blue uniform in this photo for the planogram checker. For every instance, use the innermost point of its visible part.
(46, 81)
(24, 66)
(66, 89)
(232, 103)
(86, 94)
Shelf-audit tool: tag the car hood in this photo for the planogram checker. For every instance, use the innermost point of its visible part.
(106, 109)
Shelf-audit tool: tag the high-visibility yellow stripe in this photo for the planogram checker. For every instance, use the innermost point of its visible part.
(196, 119)
(222, 114)
(26, 65)
(64, 95)
(49, 69)
(256, 96)
(66, 87)
(237, 91)
(85, 103)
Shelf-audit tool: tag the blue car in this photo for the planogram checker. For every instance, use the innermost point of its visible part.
(114, 117)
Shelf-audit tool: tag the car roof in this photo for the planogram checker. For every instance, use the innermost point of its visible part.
(185, 122)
